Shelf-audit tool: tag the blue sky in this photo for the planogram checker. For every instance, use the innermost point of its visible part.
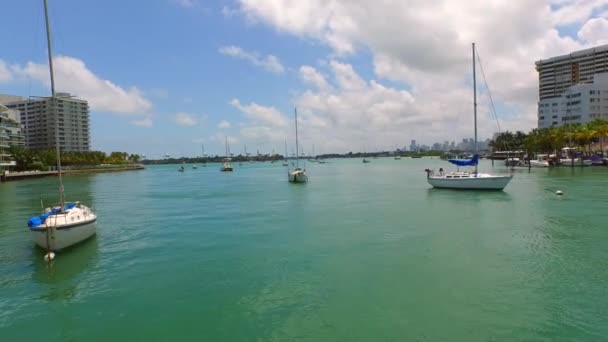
(365, 86)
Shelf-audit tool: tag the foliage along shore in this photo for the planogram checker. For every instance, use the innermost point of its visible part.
(589, 138)
(46, 159)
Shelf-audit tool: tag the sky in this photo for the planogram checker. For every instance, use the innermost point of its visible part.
(167, 76)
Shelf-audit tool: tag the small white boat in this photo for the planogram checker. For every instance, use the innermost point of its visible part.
(398, 158)
(59, 228)
(512, 162)
(297, 175)
(540, 161)
(575, 161)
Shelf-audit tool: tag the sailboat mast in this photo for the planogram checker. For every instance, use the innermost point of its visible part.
(226, 146)
(475, 101)
(295, 110)
(53, 103)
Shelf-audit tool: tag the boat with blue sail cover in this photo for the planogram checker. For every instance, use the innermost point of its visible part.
(468, 180)
(67, 224)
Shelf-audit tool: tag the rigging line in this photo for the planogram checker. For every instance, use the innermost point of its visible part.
(483, 74)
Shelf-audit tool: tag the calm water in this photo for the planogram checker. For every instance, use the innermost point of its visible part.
(361, 253)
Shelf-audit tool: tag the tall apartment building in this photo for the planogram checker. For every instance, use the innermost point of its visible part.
(562, 76)
(39, 118)
(10, 134)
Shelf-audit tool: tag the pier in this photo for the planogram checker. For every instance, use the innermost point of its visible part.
(12, 176)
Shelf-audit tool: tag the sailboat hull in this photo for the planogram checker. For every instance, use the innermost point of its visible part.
(63, 237)
(470, 182)
(297, 177)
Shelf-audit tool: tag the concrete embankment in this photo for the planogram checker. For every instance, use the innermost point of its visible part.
(11, 176)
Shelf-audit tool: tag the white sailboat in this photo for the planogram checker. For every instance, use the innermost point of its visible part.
(468, 180)
(69, 223)
(204, 155)
(297, 175)
(285, 163)
(227, 166)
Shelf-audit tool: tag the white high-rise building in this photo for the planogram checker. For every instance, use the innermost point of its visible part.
(580, 103)
(10, 135)
(565, 86)
(42, 122)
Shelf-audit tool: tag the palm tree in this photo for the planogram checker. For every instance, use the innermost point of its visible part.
(601, 131)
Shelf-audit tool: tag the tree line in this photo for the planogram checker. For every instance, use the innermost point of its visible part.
(43, 159)
(552, 139)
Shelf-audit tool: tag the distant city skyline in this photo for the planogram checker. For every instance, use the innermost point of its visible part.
(182, 73)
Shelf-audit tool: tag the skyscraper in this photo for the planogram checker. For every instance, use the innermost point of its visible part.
(40, 120)
(10, 134)
(568, 88)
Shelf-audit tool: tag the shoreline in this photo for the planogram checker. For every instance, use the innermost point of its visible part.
(16, 176)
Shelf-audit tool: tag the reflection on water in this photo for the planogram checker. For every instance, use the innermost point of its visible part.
(467, 195)
(61, 277)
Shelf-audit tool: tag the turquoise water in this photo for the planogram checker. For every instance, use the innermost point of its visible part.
(363, 252)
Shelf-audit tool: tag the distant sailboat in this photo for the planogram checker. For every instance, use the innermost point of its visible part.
(204, 156)
(468, 180)
(69, 223)
(227, 166)
(297, 175)
(285, 163)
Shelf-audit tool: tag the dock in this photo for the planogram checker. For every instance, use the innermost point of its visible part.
(12, 176)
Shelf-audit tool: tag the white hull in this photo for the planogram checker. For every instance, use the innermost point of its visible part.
(66, 237)
(469, 181)
(66, 228)
(577, 162)
(539, 163)
(297, 176)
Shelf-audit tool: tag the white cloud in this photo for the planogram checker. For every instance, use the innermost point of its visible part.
(145, 122)
(569, 12)
(595, 31)
(73, 76)
(269, 62)
(224, 124)
(262, 114)
(229, 12)
(5, 73)
(186, 3)
(185, 119)
(426, 47)
(310, 75)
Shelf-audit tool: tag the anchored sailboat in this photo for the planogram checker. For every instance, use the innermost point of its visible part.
(227, 165)
(69, 223)
(468, 180)
(297, 175)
